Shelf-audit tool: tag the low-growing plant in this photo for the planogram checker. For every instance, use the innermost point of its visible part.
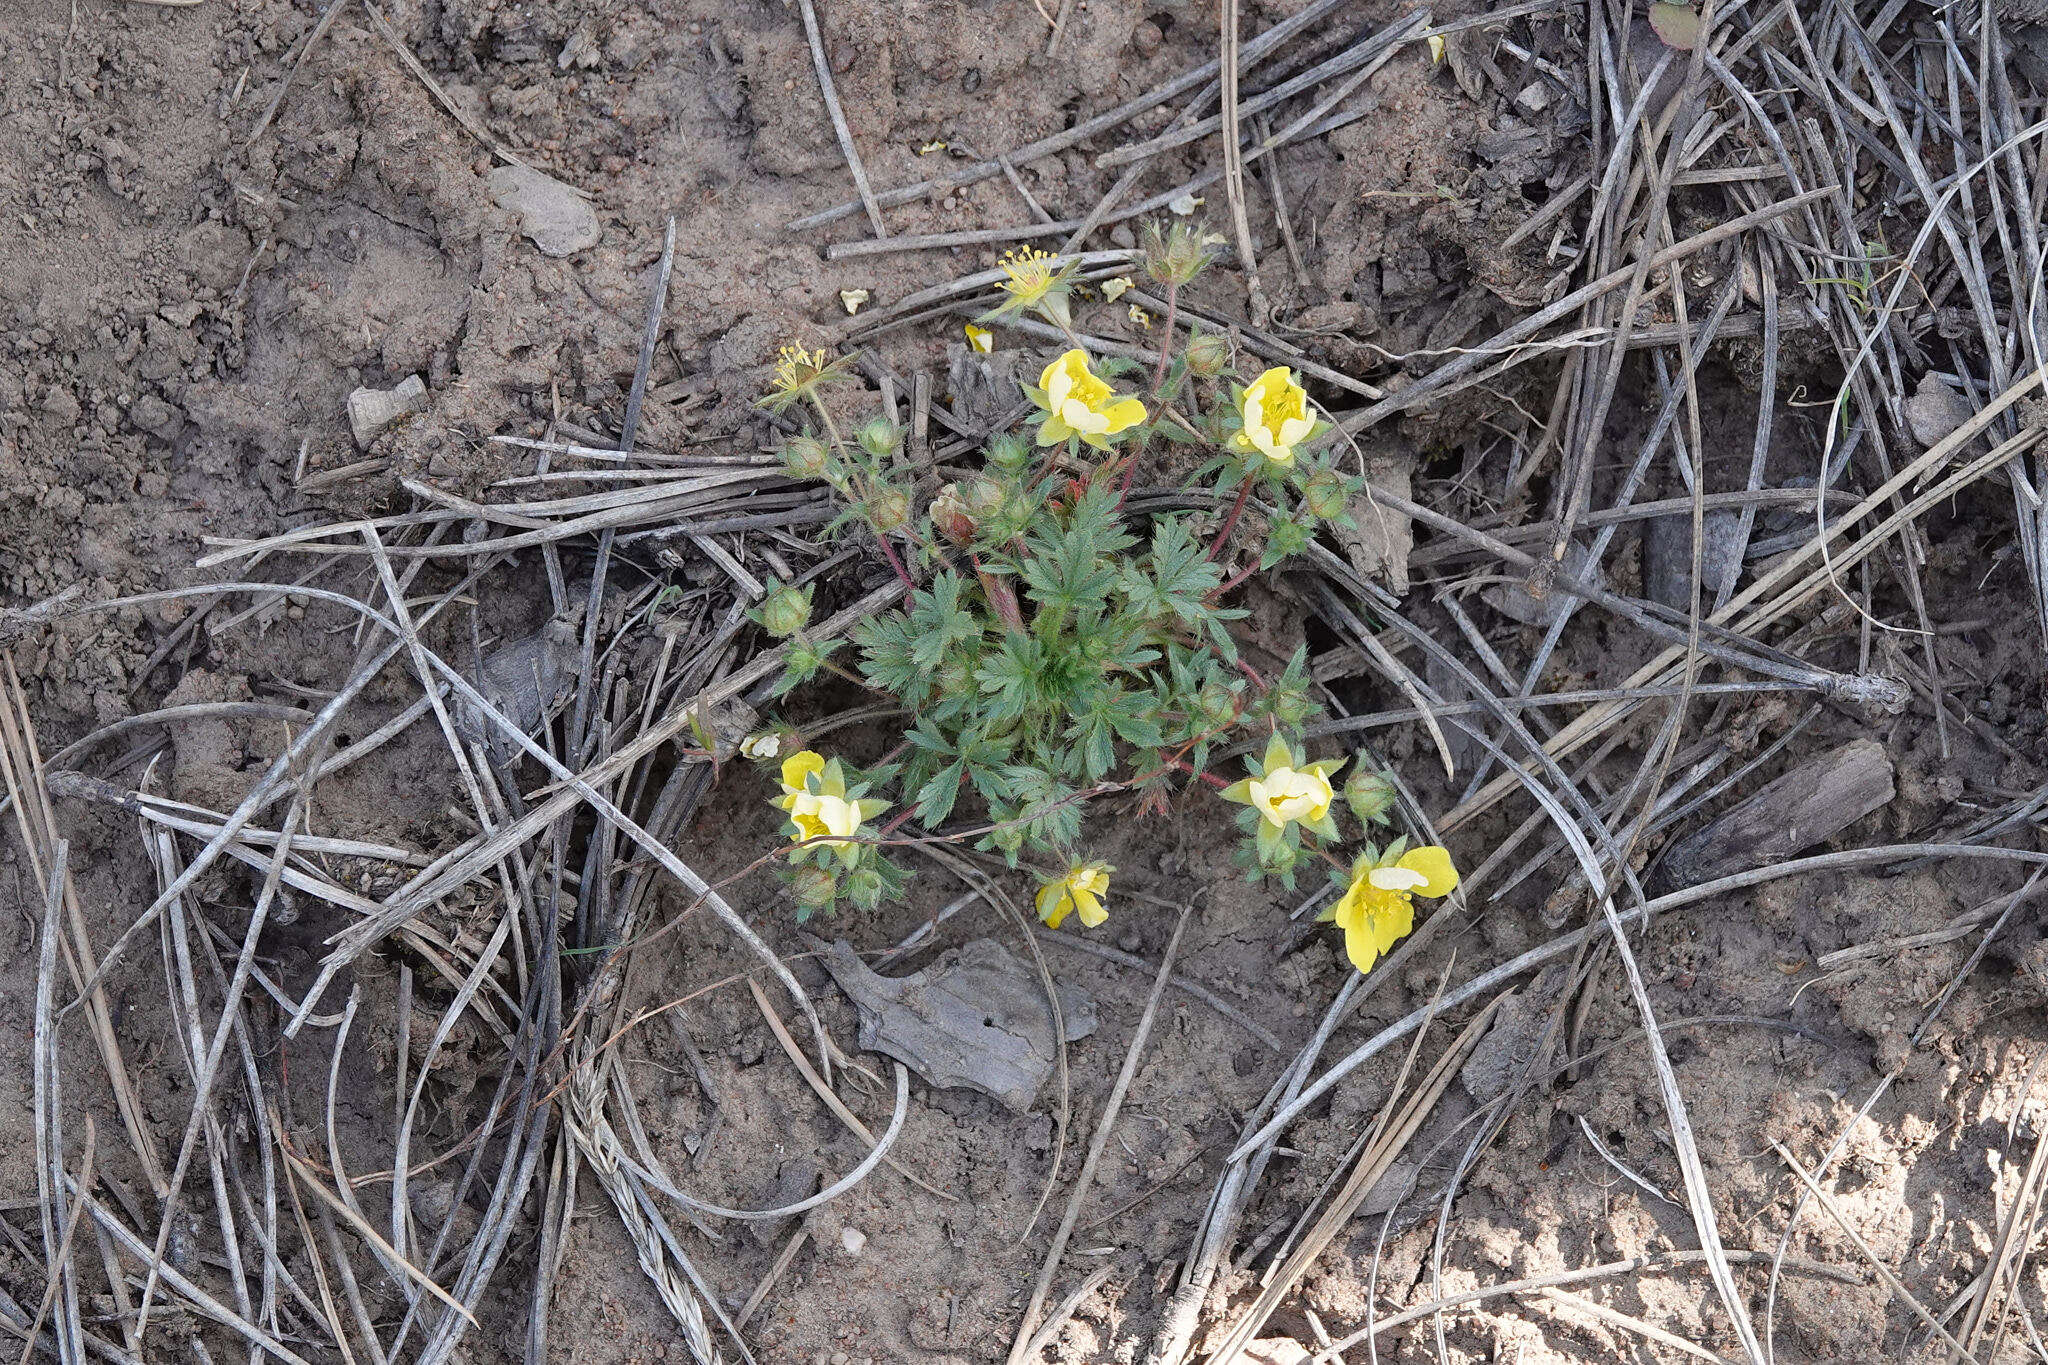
(1062, 639)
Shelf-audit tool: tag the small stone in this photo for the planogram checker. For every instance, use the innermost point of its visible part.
(855, 1241)
(1121, 235)
(1935, 411)
(1146, 38)
(560, 221)
(970, 80)
(372, 411)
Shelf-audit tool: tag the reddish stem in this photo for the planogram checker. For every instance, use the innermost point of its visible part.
(889, 551)
(1218, 783)
(1244, 495)
(1240, 576)
(1123, 488)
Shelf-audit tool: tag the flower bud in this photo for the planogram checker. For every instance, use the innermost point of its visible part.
(888, 510)
(951, 517)
(1208, 355)
(864, 887)
(1369, 795)
(815, 888)
(1176, 255)
(1281, 859)
(879, 437)
(1010, 450)
(1325, 494)
(1286, 538)
(1218, 703)
(785, 611)
(805, 457)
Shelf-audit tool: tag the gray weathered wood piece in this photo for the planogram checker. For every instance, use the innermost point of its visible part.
(1812, 802)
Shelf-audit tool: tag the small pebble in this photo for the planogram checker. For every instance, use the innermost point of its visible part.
(970, 81)
(855, 1241)
(1146, 38)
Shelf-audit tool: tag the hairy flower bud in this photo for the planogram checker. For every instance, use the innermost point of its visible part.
(1009, 450)
(1218, 703)
(864, 887)
(785, 611)
(805, 457)
(1369, 795)
(879, 438)
(815, 888)
(1208, 355)
(1176, 255)
(888, 510)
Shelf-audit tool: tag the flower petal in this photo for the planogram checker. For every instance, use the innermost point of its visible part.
(1360, 946)
(1440, 878)
(1396, 878)
(1123, 414)
(799, 766)
(1393, 922)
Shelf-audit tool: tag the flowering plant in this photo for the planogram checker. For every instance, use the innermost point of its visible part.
(1067, 636)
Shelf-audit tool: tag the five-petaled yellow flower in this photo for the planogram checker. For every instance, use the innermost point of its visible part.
(814, 793)
(1080, 889)
(1079, 403)
(1275, 412)
(1284, 791)
(1377, 910)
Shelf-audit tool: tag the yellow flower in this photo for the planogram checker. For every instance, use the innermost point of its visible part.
(1032, 274)
(1275, 412)
(1284, 790)
(1081, 889)
(814, 793)
(1288, 794)
(1114, 289)
(980, 339)
(1377, 910)
(1034, 279)
(799, 374)
(1081, 404)
(1141, 317)
(821, 813)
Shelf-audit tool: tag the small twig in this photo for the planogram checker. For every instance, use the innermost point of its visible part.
(823, 67)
